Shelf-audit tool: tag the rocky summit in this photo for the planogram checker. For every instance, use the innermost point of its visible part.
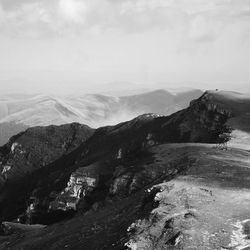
(154, 182)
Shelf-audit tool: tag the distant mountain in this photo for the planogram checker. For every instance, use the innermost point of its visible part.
(160, 101)
(8, 129)
(93, 109)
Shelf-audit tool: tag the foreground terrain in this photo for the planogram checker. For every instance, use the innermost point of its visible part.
(150, 183)
(205, 207)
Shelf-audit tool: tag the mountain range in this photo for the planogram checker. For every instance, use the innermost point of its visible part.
(18, 112)
(154, 182)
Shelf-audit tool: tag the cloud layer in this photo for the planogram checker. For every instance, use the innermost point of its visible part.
(203, 19)
(45, 44)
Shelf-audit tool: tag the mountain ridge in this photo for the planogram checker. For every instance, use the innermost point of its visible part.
(115, 166)
(94, 110)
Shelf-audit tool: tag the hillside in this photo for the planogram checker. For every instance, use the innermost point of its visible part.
(29, 152)
(154, 182)
(202, 207)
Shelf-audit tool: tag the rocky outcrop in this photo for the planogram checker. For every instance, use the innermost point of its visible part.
(170, 223)
(177, 221)
(81, 184)
(7, 228)
(31, 161)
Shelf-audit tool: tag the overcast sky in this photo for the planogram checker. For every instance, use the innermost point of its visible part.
(83, 45)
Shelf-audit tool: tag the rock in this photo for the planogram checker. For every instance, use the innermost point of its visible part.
(171, 222)
(81, 183)
(11, 227)
(120, 185)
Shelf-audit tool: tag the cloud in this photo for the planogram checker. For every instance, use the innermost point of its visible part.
(1, 14)
(144, 5)
(204, 20)
(203, 29)
(73, 10)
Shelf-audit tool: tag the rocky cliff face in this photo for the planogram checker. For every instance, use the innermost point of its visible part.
(80, 185)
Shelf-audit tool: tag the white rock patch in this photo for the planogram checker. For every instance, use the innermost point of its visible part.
(239, 240)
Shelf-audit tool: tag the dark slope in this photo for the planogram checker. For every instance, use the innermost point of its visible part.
(27, 155)
(39, 146)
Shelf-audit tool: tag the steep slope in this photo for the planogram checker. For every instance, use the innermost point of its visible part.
(35, 149)
(105, 180)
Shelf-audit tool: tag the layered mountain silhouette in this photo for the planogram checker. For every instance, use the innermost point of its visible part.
(154, 182)
(19, 112)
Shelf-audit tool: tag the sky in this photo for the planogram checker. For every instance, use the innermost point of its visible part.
(82, 46)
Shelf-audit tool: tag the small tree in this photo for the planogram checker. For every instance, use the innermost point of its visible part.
(223, 140)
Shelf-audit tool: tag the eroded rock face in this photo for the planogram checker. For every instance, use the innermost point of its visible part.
(190, 214)
(81, 183)
(172, 223)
